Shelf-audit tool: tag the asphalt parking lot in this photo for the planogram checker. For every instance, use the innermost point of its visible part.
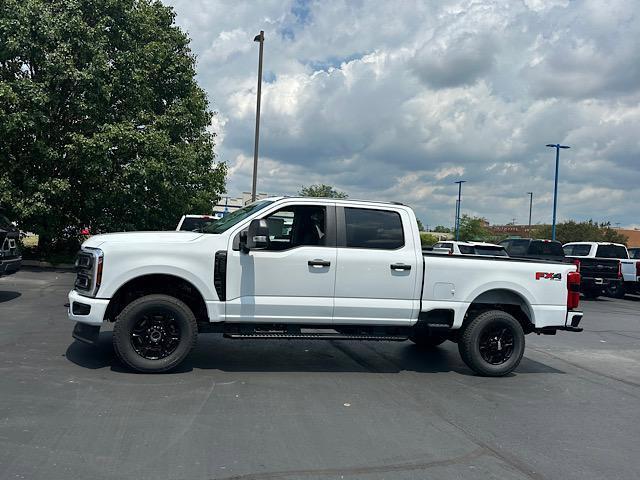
(313, 410)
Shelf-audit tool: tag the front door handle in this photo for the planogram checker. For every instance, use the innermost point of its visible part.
(318, 263)
(400, 267)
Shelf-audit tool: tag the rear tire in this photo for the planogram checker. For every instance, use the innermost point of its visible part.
(492, 344)
(615, 291)
(427, 341)
(154, 333)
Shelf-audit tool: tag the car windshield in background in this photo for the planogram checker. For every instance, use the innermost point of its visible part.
(611, 251)
(228, 221)
(546, 248)
(518, 247)
(191, 224)
(634, 253)
(577, 250)
(493, 251)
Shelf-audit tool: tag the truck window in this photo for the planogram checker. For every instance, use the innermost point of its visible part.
(634, 253)
(466, 250)
(488, 250)
(546, 248)
(518, 247)
(297, 226)
(228, 221)
(366, 228)
(611, 251)
(580, 250)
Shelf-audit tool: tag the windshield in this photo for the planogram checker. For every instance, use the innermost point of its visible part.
(488, 250)
(611, 251)
(192, 224)
(546, 248)
(577, 250)
(634, 253)
(228, 221)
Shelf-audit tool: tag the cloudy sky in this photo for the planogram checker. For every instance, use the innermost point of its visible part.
(397, 100)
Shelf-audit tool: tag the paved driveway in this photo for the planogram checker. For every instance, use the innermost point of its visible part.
(313, 410)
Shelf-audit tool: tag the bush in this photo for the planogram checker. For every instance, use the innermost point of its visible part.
(427, 240)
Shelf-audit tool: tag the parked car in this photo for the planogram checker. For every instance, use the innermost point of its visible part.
(534, 248)
(604, 267)
(312, 268)
(470, 248)
(192, 223)
(10, 256)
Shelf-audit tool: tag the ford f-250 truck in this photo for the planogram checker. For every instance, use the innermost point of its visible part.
(309, 268)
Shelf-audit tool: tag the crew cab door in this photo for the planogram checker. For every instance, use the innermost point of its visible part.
(379, 267)
(293, 281)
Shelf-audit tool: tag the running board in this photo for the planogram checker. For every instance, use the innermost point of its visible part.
(315, 336)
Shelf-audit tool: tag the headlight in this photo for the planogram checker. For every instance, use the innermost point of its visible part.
(89, 271)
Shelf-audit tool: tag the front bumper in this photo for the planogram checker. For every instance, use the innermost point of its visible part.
(12, 265)
(86, 309)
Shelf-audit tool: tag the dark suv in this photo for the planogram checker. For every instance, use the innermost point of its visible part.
(534, 248)
(10, 258)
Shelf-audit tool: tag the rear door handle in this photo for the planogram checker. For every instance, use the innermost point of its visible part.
(318, 263)
(400, 267)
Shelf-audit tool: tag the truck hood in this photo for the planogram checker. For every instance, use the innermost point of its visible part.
(143, 237)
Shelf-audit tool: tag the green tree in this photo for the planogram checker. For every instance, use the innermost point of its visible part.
(473, 228)
(427, 240)
(420, 225)
(321, 190)
(101, 119)
(589, 231)
(441, 229)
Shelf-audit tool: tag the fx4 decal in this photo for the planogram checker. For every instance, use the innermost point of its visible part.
(549, 276)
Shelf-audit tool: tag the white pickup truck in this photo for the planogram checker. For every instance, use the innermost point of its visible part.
(309, 268)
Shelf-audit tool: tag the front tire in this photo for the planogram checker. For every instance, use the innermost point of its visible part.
(492, 344)
(154, 333)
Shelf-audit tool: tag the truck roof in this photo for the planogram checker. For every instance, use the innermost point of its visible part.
(337, 200)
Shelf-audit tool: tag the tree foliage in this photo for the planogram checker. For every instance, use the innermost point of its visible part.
(442, 229)
(473, 228)
(589, 231)
(102, 122)
(321, 190)
(420, 225)
(427, 240)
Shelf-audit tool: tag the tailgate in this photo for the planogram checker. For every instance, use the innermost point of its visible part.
(599, 268)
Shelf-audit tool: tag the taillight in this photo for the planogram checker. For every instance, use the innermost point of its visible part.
(638, 269)
(576, 262)
(573, 287)
(619, 269)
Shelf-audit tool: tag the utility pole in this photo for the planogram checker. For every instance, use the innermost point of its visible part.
(530, 207)
(458, 205)
(557, 146)
(258, 38)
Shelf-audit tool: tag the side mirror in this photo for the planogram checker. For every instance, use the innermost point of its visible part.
(257, 235)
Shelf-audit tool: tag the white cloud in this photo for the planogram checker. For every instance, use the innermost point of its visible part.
(400, 109)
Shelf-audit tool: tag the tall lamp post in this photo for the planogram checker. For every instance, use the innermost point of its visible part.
(557, 146)
(530, 207)
(258, 38)
(458, 204)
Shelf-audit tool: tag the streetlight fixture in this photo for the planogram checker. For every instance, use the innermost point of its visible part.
(458, 204)
(530, 207)
(557, 146)
(258, 38)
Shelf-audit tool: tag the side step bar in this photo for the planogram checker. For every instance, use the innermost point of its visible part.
(314, 336)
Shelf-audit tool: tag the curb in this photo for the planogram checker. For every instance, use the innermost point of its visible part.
(37, 263)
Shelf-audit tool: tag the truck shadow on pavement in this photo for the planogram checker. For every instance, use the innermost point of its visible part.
(7, 295)
(216, 353)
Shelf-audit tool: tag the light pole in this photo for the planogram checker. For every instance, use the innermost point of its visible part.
(557, 146)
(459, 182)
(530, 207)
(258, 38)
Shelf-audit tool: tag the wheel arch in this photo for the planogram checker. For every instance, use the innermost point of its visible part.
(506, 299)
(157, 283)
